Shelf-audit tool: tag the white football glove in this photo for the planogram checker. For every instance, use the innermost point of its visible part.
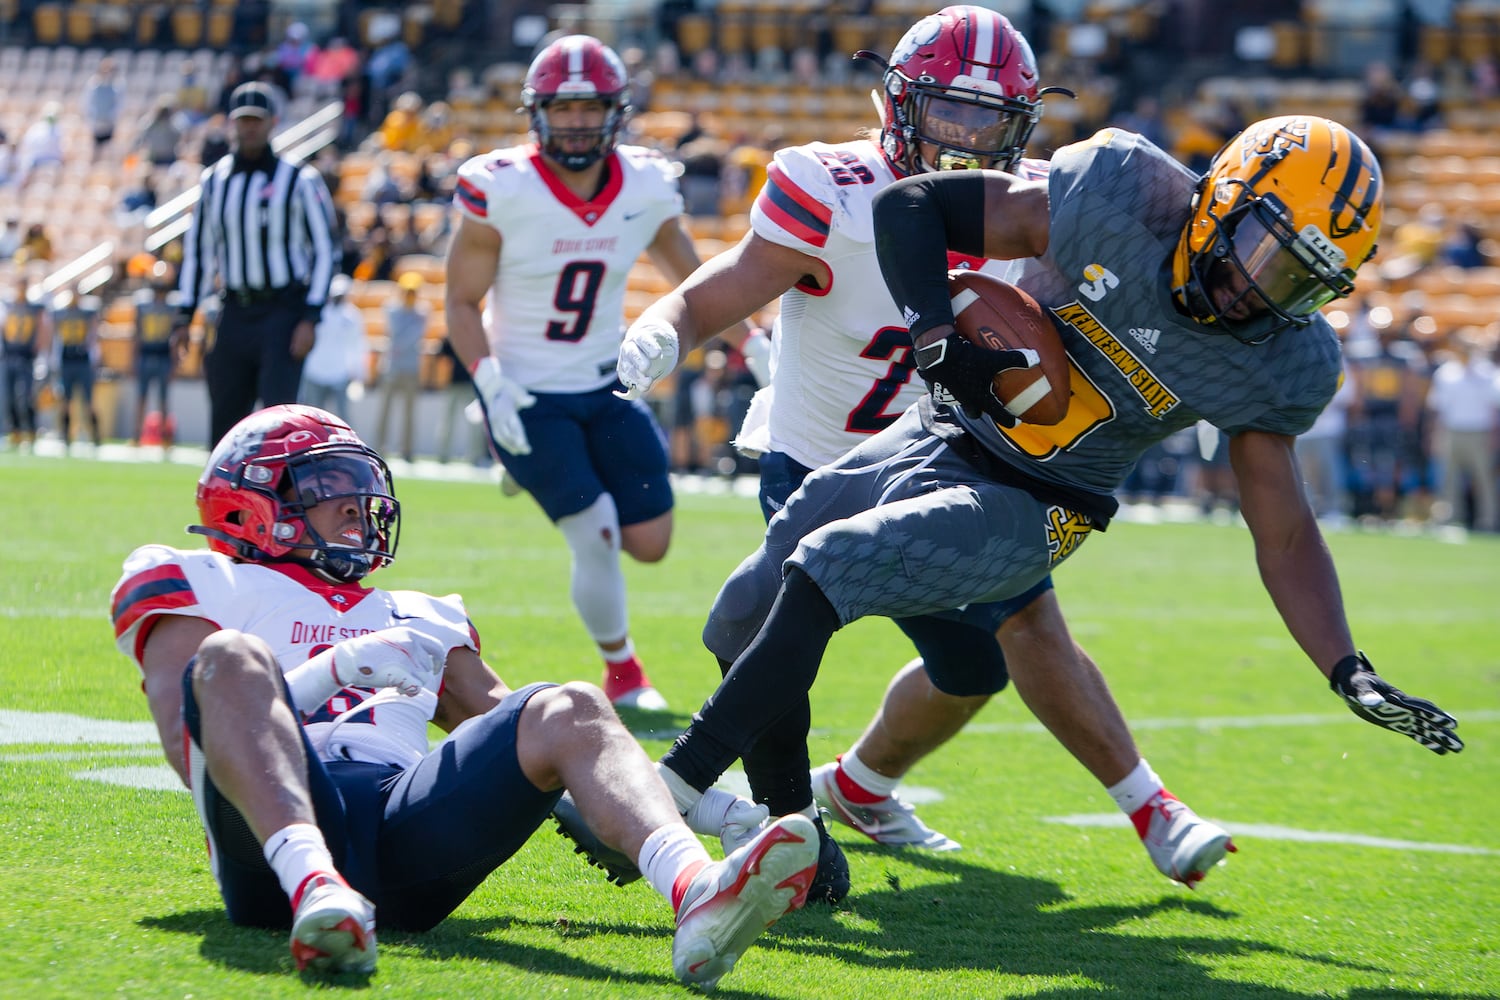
(757, 352)
(401, 657)
(647, 354)
(503, 402)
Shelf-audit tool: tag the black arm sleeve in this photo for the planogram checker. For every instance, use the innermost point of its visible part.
(917, 221)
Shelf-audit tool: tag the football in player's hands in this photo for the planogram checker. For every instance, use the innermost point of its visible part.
(994, 314)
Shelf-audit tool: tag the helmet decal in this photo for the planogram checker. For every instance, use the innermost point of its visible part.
(1274, 136)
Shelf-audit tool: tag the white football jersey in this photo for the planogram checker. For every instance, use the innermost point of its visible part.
(299, 615)
(841, 363)
(556, 311)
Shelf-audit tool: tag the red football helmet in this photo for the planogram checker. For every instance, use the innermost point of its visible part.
(255, 491)
(965, 81)
(576, 68)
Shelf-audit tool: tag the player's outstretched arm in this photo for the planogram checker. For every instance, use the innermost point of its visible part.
(716, 297)
(1299, 574)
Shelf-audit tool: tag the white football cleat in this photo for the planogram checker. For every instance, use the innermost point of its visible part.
(333, 927)
(1182, 844)
(643, 699)
(728, 903)
(888, 821)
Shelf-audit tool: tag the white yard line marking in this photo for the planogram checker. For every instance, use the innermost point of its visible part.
(70, 755)
(157, 777)
(1270, 831)
(59, 727)
(1215, 722)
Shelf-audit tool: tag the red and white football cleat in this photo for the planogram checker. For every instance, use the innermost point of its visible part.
(888, 821)
(333, 927)
(627, 686)
(1182, 844)
(726, 904)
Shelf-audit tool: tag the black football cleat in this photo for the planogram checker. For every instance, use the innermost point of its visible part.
(617, 868)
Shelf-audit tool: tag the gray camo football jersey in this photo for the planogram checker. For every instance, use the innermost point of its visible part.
(1142, 370)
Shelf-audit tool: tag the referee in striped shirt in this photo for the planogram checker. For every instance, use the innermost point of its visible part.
(262, 236)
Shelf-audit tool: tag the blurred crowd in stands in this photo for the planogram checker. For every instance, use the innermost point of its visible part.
(1384, 451)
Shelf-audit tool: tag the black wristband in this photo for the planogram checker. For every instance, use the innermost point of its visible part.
(1345, 669)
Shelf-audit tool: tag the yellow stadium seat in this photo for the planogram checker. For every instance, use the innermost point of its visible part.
(47, 23)
(187, 27)
(80, 23)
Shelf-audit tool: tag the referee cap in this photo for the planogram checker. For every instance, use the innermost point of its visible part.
(252, 99)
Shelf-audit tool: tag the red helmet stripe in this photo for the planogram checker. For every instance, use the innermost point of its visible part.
(983, 41)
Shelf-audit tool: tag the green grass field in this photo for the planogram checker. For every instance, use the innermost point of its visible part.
(1368, 867)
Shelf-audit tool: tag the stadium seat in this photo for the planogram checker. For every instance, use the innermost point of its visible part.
(694, 34)
(431, 267)
(220, 27)
(80, 23)
(147, 25)
(187, 26)
(47, 23)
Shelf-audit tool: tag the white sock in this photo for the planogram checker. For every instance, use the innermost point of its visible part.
(865, 777)
(710, 811)
(1137, 788)
(622, 655)
(667, 852)
(294, 852)
(683, 794)
(598, 584)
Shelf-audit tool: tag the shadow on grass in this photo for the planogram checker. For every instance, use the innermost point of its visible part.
(1024, 926)
(264, 952)
(997, 922)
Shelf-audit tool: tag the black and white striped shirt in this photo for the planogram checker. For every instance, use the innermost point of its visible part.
(260, 226)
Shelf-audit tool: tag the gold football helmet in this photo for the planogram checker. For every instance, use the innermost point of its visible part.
(1287, 212)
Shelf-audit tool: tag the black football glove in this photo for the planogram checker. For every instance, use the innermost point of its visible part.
(1373, 700)
(964, 373)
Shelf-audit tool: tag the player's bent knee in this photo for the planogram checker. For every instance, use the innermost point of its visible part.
(648, 541)
(229, 651)
(741, 607)
(572, 704)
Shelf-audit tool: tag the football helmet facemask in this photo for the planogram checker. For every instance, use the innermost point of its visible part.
(963, 80)
(576, 68)
(1285, 216)
(275, 465)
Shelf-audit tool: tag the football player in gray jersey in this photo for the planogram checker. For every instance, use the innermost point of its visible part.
(961, 91)
(1222, 275)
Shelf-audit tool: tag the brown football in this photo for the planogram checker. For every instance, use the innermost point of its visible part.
(994, 314)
